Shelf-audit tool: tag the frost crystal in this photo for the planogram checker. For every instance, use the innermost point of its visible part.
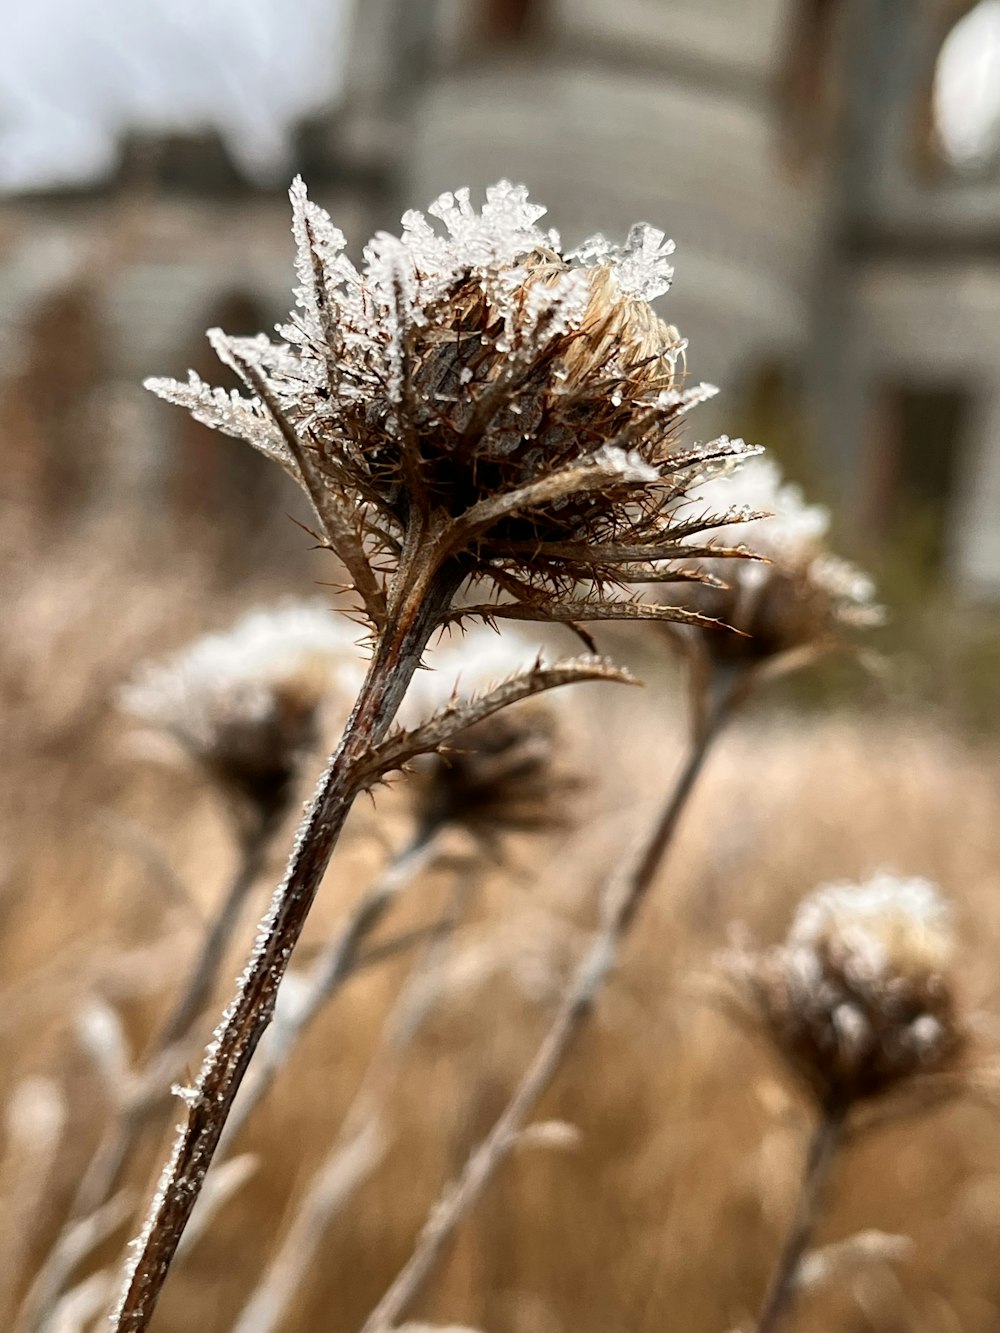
(887, 924)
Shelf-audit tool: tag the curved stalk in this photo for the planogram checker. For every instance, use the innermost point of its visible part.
(623, 900)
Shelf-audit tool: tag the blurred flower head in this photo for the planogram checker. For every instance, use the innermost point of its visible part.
(799, 594)
(510, 408)
(857, 999)
(245, 703)
(508, 772)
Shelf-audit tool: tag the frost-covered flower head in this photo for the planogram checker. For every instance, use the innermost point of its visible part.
(244, 703)
(475, 403)
(800, 593)
(507, 772)
(858, 999)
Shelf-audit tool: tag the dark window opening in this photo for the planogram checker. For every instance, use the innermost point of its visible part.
(510, 20)
(914, 467)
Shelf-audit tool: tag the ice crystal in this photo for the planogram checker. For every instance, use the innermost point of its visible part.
(887, 924)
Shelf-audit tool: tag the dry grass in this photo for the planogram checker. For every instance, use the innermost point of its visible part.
(670, 1209)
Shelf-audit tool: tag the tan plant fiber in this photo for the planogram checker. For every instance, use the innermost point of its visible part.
(670, 1210)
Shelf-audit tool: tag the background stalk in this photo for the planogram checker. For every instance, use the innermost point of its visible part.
(204, 974)
(623, 903)
(335, 963)
(359, 1147)
(104, 1171)
(826, 1141)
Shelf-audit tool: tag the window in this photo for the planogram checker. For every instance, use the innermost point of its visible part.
(966, 93)
(914, 467)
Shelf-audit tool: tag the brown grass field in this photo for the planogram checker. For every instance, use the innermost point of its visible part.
(666, 1210)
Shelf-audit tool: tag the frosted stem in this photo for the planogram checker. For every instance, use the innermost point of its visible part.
(359, 1147)
(337, 961)
(247, 1017)
(103, 1173)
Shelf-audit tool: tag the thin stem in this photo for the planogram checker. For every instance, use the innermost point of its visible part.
(247, 1017)
(359, 1146)
(334, 964)
(203, 975)
(826, 1141)
(623, 902)
(103, 1173)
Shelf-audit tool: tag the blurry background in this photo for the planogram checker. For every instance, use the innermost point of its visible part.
(830, 172)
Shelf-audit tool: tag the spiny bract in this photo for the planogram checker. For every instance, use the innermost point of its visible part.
(799, 593)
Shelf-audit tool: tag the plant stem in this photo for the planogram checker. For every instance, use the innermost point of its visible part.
(209, 1102)
(357, 1150)
(203, 975)
(826, 1141)
(623, 900)
(335, 963)
(103, 1172)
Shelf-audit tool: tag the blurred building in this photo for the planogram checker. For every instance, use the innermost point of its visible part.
(838, 265)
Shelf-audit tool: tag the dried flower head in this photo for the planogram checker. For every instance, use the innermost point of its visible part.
(796, 596)
(475, 404)
(244, 704)
(507, 772)
(857, 999)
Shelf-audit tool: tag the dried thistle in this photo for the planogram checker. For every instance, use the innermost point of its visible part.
(858, 1003)
(474, 407)
(797, 596)
(857, 1000)
(477, 406)
(245, 704)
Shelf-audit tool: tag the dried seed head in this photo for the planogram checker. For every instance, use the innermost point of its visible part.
(857, 999)
(802, 595)
(506, 773)
(244, 704)
(508, 410)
